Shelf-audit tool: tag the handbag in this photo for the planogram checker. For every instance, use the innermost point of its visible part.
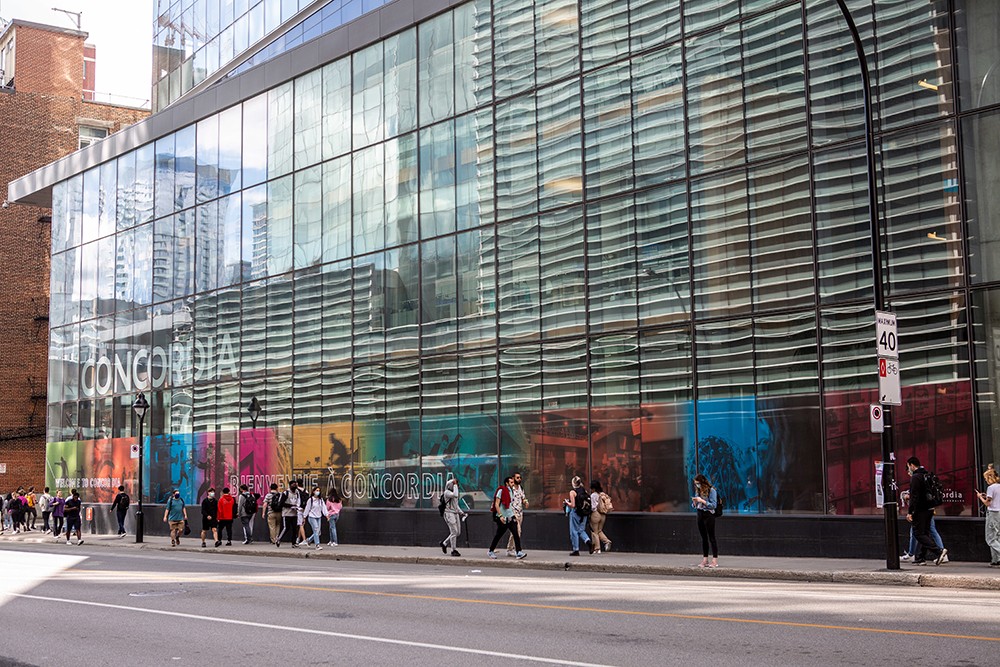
(187, 528)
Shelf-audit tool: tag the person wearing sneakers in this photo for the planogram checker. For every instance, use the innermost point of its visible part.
(600, 505)
(175, 514)
(210, 517)
(334, 505)
(705, 500)
(247, 510)
(315, 511)
(919, 512)
(57, 505)
(577, 508)
(227, 509)
(271, 511)
(45, 507)
(120, 506)
(72, 511)
(291, 505)
(453, 516)
(991, 500)
(503, 517)
(518, 503)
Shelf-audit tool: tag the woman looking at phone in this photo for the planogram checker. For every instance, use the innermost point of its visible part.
(705, 500)
(991, 500)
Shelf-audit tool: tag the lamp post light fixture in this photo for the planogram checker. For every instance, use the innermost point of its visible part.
(890, 511)
(254, 410)
(140, 406)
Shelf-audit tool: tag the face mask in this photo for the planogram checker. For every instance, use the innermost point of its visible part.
(177, 495)
(211, 495)
(317, 494)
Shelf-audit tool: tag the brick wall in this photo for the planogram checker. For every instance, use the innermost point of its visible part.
(39, 125)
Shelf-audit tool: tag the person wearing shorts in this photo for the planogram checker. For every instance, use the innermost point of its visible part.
(72, 512)
(175, 515)
(210, 517)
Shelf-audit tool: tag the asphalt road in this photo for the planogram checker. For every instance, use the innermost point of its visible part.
(62, 604)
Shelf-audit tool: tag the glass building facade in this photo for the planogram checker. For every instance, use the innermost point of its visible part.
(627, 240)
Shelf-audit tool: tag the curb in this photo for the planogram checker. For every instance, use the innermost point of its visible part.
(855, 577)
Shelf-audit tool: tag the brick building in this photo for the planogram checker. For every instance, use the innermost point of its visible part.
(43, 116)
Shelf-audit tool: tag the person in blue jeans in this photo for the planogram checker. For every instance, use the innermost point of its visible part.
(578, 508)
(315, 511)
(912, 548)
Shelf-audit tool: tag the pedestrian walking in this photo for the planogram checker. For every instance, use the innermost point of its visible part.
(3, 513)
(518, 503)
(991, 500)
(705, 500)
(911, 549)
(247, 510)
(58, 517)
(920, 511)
(227, 510)
(18, 504)
(210, 517)
(334, 505)
(453, 516)
(291, 506)
(30, 510)
(578, 508)
(45, 507)
(315, 511)
(271, 512)
(600, 507)
(175, 515)
(71, 510)
(120, 505)
(503, 517)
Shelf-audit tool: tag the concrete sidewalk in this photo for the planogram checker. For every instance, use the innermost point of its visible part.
(829, 570)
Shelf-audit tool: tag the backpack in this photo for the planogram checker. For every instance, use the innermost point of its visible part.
(442, 503)
(933, 490)
(125, 502)
(720, 504)
(249, 504)
(276, 502)
(583, 507)
(604, 505)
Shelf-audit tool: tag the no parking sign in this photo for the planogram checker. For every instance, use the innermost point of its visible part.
(876, 417)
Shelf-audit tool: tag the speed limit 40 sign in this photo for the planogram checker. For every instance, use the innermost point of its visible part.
(886, 339)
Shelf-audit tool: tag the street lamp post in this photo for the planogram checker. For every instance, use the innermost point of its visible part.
(140, 406)
(254, 410)
(890, 512)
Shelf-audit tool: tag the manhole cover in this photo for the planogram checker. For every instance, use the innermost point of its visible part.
(154, 594)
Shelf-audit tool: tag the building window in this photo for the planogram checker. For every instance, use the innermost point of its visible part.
(91, 135)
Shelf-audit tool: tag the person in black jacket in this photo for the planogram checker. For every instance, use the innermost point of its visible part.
(210, 517)
(920, 512)
(121, 503)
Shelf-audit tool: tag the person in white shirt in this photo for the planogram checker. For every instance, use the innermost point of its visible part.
(991, 500)
(518, 503)
(44, 505)
(314, 512)
(453, 516)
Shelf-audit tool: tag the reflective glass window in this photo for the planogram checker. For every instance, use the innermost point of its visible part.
(437, 179)
(473, 55)
(978, 44)
(518, 272)
(336, 108)
(607, 100)
(308, 119)
(662, 246)
(516, 156)
(560, 162)
(715, 100)
(280, 118)
(254, 146)
(982, 196)
(611, 264)
(308, 217)
(208, 159)
(337, 209)
(720, 244)
(514, 47)
(368, 76)
(401, 83)
(562, 267)
(279, 225)
(477, 304)
(658, 117)
(401, 190)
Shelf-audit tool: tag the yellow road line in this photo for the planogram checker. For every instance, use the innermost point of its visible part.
(597, 610)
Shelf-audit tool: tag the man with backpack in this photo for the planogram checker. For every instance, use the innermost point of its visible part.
(292, 501)
(175, 515)
(925, 495)
(272, 512)
(247, 510)
(121, 503)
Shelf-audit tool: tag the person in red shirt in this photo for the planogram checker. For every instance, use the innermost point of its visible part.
(227, 507)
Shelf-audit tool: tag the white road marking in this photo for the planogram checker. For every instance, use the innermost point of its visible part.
(309, 631)
(23, 571)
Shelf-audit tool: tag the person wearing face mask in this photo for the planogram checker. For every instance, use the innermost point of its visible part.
(210, 517)
(315, 511)
(291, 503)
(175, 514)
(227, 505)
